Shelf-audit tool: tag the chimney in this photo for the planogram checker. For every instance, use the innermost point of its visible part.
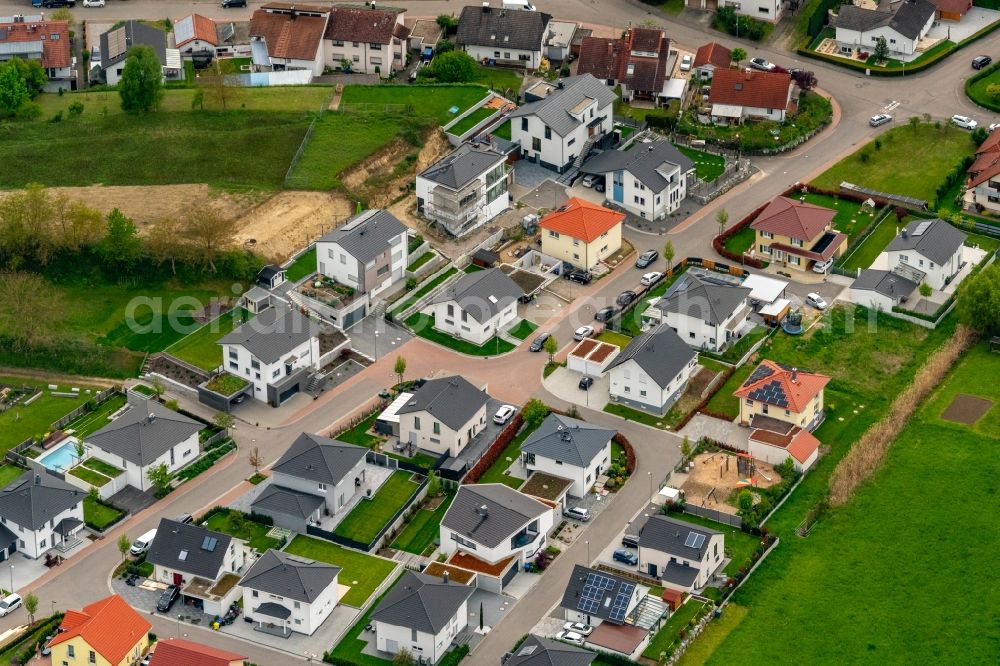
(748, 72)
(611, 47)
(484, 511)
(795, 375)
(38, 479)
(292, 13)
(444, 577)
(151, 417)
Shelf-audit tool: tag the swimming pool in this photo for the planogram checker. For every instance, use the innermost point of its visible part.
(61, 458)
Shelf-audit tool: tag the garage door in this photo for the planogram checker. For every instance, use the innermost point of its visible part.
(353, 317)
(288, 393)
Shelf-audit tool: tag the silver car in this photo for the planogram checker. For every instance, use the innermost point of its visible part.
(879, 119)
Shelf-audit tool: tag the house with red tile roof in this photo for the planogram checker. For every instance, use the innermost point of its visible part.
(581, 233)
(796, 234)
(775, 446)
(739, 95)
(710, 57)
(45, 42)
(982, 188)
(952, 10)
(108, 631)
(776, 392)
(180, 652)
(371, 41)
(637, 62)
(285, 36)
(195, 32)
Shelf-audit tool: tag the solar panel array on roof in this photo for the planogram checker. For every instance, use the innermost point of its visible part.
(209, 543)
(771, 393)
(922, 227)
(593, 592)
(620, 606)
(760, 373)
(117, 43)
(694, 540)
(228, 32)
(184, 29)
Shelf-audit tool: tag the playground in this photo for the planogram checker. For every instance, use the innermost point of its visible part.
(714, 478)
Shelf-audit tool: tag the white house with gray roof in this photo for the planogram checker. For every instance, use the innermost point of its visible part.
(421, 614)
(146, 435)
(682, 555)
(650, 180)
(928, 251)
(902, 23)
(494, 522)
(367, 253)
(595, 597)
(443, 415)
(39, 511)
(477, 305)
(283, 593)
(116, 42)
(706, 311)
(562, 121)
(568, 448)
(540, 651)
(505, 36)
(652, 371)
(881, 290)
(465, 189)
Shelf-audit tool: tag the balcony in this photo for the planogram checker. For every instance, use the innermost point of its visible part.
(523, 538)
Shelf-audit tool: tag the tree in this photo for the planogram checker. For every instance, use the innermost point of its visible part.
(453, 67)
(925, 290)
(686, 447)
(255, 459)
(722, 218)
(551, 346)
(993, 90)
(159, 388)
(216, 88)
(400, 368)
(121, 246)
(978, 301)
(159, 476)
(914, 122)
(442, 47)
(403, 658)
(224, 420)
(74, 225)
(881, 52)
(28, 307)
(804, 79)
(900, 214)
(668, 256)
(31, 605)
(209, 233)
(32, 73)
(745, 500)
(534, 412)
(124, 545)
(737, 56)
(141, 85)
(13, 90)
(166, 243)
(81, 450)
(448, 23)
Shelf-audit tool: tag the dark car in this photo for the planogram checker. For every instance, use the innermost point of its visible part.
(583, 277)
(981, 61)
(626, 556)
(184, 518)
(538, 343)
(630, 541)
(646, 258)
(586, 383)
(52, 4)
(607, 314)
(625, 297)
(167, 599)
(233, 3)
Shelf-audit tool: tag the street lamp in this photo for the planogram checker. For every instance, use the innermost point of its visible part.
(376, 340)
(587, 543)
(12, 579)
(53, 603)
(650, 475)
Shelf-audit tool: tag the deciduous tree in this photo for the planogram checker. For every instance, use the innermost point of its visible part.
(159, 476)
(31, 605)
(722, 219)
(29, 307)
(978, 301)
(804, 79)
(124, 544)
(13, 90)
(224, 420)
(255, 459)
(166, 243)
(121, 246)
(737, 55)
(668, 256)
(400, 368)
(141, 85)
(534, 412)
(209, 233)
(551, 346)
(453, 67)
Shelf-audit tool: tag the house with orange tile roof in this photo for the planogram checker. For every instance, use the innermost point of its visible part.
(180, 652)
(710, 57)
(195, 32)
(738, 95)
(796, 234)
(982, 188)
(776, 392)
(581, 233)
(45, 42)
(781, 441)
(285, 36)
(107, 633)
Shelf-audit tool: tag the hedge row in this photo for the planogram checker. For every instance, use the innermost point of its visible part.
(954, 176)
(496, 448)
(700, 407)
(206, 461)
(719, 242)
(622, 441)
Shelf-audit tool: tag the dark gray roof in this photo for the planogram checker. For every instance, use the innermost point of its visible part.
(367, 234)
(278, 499)
(289, 576)
(679, 574)
(273, 333)
(604, 595)
(934, 239)
(144, 432)
(507, 511)
(885, 283)
(461, 166)
(660, 353)
(642, 162)
(452, 400)
(668, 535)
(31, 500)
(538, 651)
(271, 609)
(320, 459)
(569, 440)
(190, 548)
(696, 297)
(554, 109)
(135, 34)
(501, 28)
(907, 17)
(482, 294)
(424, 603)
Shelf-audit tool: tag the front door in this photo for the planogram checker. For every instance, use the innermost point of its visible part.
(651, 569)
(178, 579)
(618, 186)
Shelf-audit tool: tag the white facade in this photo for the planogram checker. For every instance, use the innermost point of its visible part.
(535, 533)
(336, 498)
(451, 319)
(530, 59)
(177, 456)
(392, 638)
(583, 478)
(987, 195)
(35, 543)
(424, 430)
(653, 561)
(630, 383)
(854, 40)
(373, 277)
(487, 195)
(775, 455)
(238, 361)
(765, 10)
(937, 275)
(873, 300)
(381, 59)
(701, 334)
(540, 143)
(306, 617)
(631, 194)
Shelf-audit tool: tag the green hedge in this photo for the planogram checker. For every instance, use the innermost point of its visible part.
(206, 461)
(979, 97)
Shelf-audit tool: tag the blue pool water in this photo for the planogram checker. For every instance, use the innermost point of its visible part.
(60, 458)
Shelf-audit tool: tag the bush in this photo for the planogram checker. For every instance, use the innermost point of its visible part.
(206, 461)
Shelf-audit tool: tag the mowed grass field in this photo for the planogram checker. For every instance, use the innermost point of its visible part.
(364, 573)
(23, 421)
(437, 104)
(891, 577)
(201, 348)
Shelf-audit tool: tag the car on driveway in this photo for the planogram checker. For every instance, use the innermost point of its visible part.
(650, 278)
(879, 119)
(626, 556)
(994, 126)
(577, 513)
(630, 541)
(646, 258)
(625, 297)
(93, 3)
(590, 180)
(586, 383)
(816, 301)
(822, 266)
(964, 122)
(538, 343)
(981, 61)
(581, 277)
(686, 62)
(571, 637)
(503, 414)
(233, 3)
(167, 599)
(607, 314)
(579, 627)
(762, 64)
(583, 332)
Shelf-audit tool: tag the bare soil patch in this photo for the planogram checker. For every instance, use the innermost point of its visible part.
(384, 176)
(966, 409)
(716, 475)
(696, 388)
(289, 221)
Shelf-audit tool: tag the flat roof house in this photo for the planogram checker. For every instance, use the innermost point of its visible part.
(682, 555)
(465, 189)
(38, 512)
(108, 631)
(569, 448)
(581, 233)
(477, 305)
(707, 313)
(45, 42)
(784, 393)
(502, 36)
(797, 234)
(443, 415)
(927, 251)
(369, 40)
(115, 44)
(287, 36)
(283, 593)
(539, 651)
(653, 370)
(367, 253)
(649, 180)
(739, 95)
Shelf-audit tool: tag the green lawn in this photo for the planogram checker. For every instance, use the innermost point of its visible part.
(638, 416)
(8, 473)
(912, 162)
(668, 634)
(359, 433)
(423, 325)
(472, 268)
(618, 339)
(303, 266)
(423, 290)
(848, 218)
(422, 529)
(350, 647)
(735, 352)
(21, 422)
(503, 132)
(362, 572)
(708, 166)
(255, 534)
(421, 260)
(201, 348)
(281, 99)
(90, 422)
(741, 241)
(740, 545)
(366, 519)
(507, 457)
(523, 329)
(865, 254)
(103, 467)
(470, 121)
(717, 630)
(99, 515)
(431, 101)
(89, 476)
(499, 78)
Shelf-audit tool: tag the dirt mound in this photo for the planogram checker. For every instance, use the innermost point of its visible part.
(380, 178)
(288, 221)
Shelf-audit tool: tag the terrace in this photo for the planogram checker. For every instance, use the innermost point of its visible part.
(328, 291)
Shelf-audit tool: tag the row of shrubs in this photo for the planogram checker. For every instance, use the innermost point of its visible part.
(26, 649)
(254, 517)
(493, 453)
(956, 175)
(719, 242)
(206, 461)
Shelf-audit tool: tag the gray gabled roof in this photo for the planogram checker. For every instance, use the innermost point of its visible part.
(669, 535)
(934, 239)
(885, 283)
(189, 548)
(554, 109)
(278, 499)
(539, 651)
(367, 234)
(482, 294)
(421, 602)
(273, 333)
(462, 166)
(135, 33)
(907, 17)
(289, 576)
(606, 595)
(660, 353)
(696, 297)
(571, 441)
(144, 432)
(451, 400)
(645, 162)
(506, 511)
(31, 500)
(501, 28)
(320, 459)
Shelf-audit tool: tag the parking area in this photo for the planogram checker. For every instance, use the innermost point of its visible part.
(565, 384)
(132, 500)
(477, 447)
(545, 193)
(574, 530)
(375, 337)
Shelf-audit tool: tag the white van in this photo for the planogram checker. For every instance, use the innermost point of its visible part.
(141, 545)
(9, 604)
(518, 4)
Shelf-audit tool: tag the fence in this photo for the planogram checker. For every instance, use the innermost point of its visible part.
(83, 409)
(734, 174)
(14, 455)
(488, 243)
(494, 450)
(717, 516)
(308, 135)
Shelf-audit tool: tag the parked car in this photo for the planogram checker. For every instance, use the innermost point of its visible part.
(167, 599)
(233, 3)
(816, 301)
(93, 3)
(879, 119)
(579, 627)
(762, 64)
(630, 541)
(571, 637)
(53, 4)
(538, 343)
(579, 276)
(586, 383)
(184, 518)
(964, 122)
(577, 513)
(651, 277)
(9, 604)
(590, 180)
(607, 314)
(981, 61)
(625, 297)
(583, 332)
(626, 556)
(141, 545)
(145, 660)
(686, 62)
(993, 126)
(822, 266)
(503, 414)
(646, 258)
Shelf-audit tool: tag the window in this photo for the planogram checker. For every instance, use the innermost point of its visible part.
(374, 61)
(92, 657)
(628, 389)
(691, 334)
(42, 543)
(506, 55)
(232, 354)
(763, 408)
(354, 44)
(524, 124)
(343, 258)
(576, 255)
(298, 605)
(576, 242)
(338, 42)
(383, 270)
(766, 234)
(413, 635)
(70, 651)
(356, 58)
(524, 56)
(794, 261)
(376, 47)
(322, 486)
(570, 142)
(749, 402)
(451, 310)
(274, 375)
(437, 428)
(796, 242)
(548, 133)
(233, 365)
(416, 423)
(642, 393)
(255, 364)
(553, 234)
(536, 143)
(765, 249)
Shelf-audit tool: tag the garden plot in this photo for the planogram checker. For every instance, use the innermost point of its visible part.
(966, 409)
(716, 477)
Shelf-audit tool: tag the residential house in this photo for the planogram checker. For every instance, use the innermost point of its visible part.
(601, 57)
(710, 57)
(496, 524)
(45, 42)
(421, 614)
(539, 651)
(649, 179)
(560, 122)
(594, 597)
(317, 476)
(952, 10)
(477, 305)
(738, 95)
(276, 351)
(502, 36)
(145, 436)
(285, 36)
(559, 39)
(569, 448)
(796, 234)
(115, 44)
(202, 563)
(783, 393)
(638, 62)
(182, 652)
(367, 253)
(764, 10)
(706, 312)
(443, 415)
(902, 23)
(283, 593)
(195, 33)
(39, 511)
(367, 40)
(652, 371)
(581, 233)
(982, 188)
(107, 632)
(682, 555)
(927, 251)
(777, 441)
(881, 290)
(465, 189)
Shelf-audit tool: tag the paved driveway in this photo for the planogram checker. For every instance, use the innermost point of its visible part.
(475, 450)
(390, 337)
(727, 432)
(565, 383)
